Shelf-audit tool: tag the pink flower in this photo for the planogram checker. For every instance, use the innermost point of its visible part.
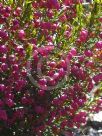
(2, 87)
(83, 35)
(3, 49)
(41, 92)
(73, 51)
(98, 45)
(4, 67)
(80, 117)
(3, 35)
(9, 102)
(68, 2)
(88, 53)
(97, 78)
(53, 4)
(3, 115)
(21, 34)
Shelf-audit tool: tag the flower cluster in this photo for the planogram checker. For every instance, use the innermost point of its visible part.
(49, 65)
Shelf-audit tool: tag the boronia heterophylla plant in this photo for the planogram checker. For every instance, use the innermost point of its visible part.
(50, 65)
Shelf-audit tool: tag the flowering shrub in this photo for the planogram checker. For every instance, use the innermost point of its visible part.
(50, 65)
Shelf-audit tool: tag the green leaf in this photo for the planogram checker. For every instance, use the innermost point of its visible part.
(10, 2)
(28, 1)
